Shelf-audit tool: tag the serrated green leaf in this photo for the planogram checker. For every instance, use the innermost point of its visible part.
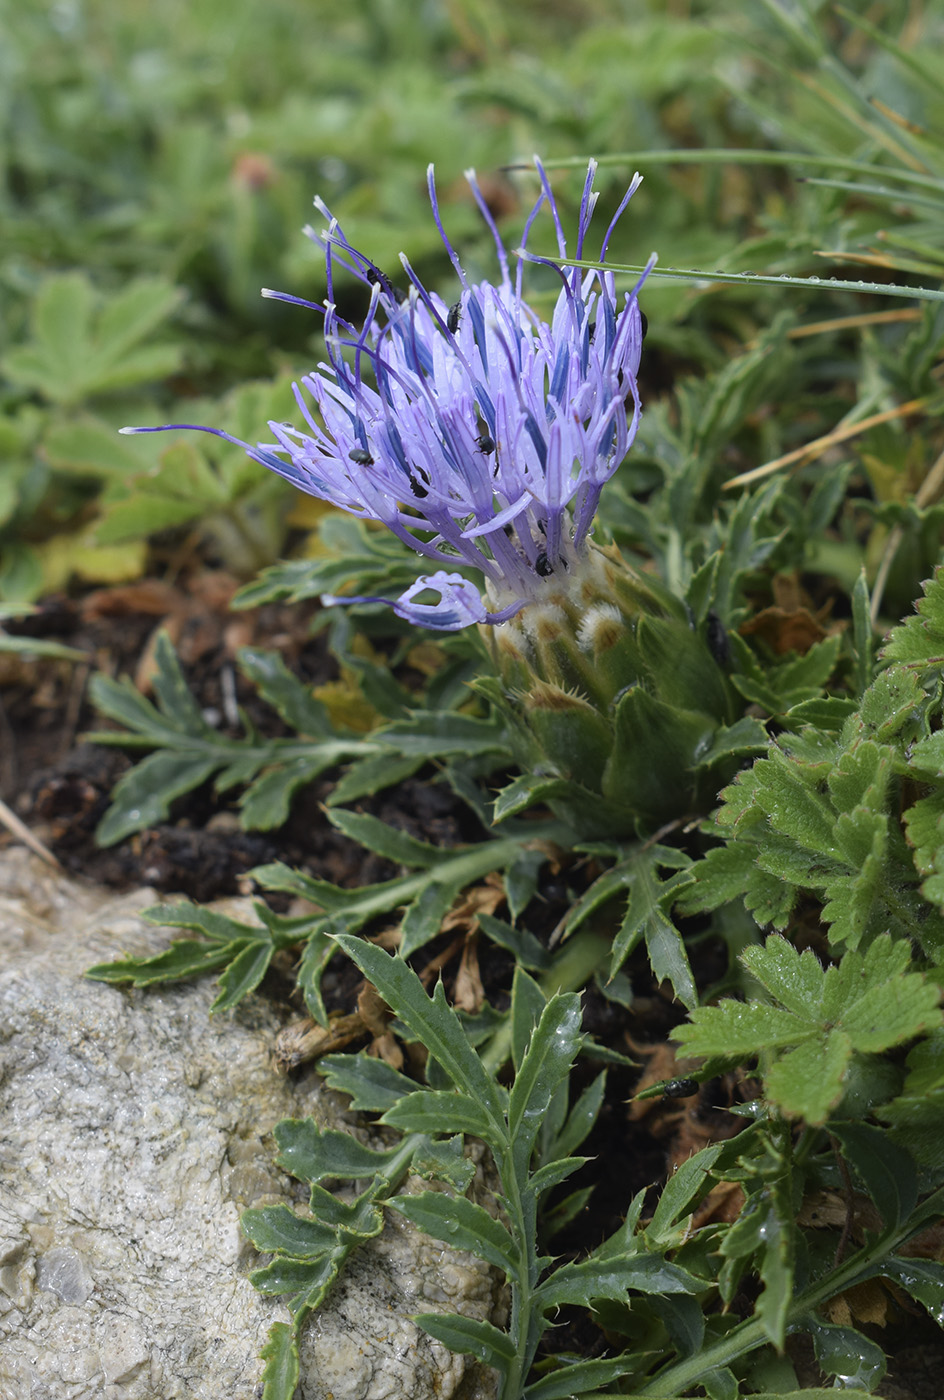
(887, 1171)
(463, 1225)
(679, 1193)
(526, 949)
(736, 1029)
(313, 1154)
(278, 1230)
(576, 1377)
(441, 1111)
(920, 638)
(430, 1019)
(371, 775)
(387, 841)
(372, 1084)
(280, 1354)
(184, 958)
(243, 975)
(551, 1052)
(581, 1284)
(922, 1278)
(462, 1334)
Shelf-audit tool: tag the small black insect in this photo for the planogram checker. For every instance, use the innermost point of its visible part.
(543, 565)
(485, 443)
(591, 332)
(380, 279)
(645, 322)
(361, 457)
(454, 317)
(717, 638)
(679, 1088)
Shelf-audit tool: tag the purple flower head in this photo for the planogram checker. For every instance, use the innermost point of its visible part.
(476, 432)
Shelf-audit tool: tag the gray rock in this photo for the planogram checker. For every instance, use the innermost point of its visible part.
(134, 1129)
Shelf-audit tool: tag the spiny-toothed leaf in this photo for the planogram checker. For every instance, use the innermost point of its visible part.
(463, 1334)
(142, 797)
(430, 1019)
(371, 775)
(552, 1174)
(292, 700)
(267, 802)
(922, 1278)
(309, 1280)
(741, 740)
(581, 1119)
(646, 918)
(372, 1084)
(766, 1228)
(551, 1051)
(844, 1352)
(280, 1355)
(527, 1005)
(720, 1384)
(579, 1285)
(463, 1225)
(314, 1154)
(387, 841)
(527, 951)
(681, 1190)
(526, 791)
(278, 1230)
(444, 1160)
(441, 1111)
(423, 919)
(577, 1377)
(187, 957)
(887, 1170)
(243, 975)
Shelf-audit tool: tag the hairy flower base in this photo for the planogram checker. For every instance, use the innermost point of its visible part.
(613, 696)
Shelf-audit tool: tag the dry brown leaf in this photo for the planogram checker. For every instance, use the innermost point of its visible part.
(865, 1302)
(480, 899)
(306, 1040)
(386, 1047)
(373, 1010)
(468, 993)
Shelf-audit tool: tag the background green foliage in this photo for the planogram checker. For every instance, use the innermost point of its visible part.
(157, 163)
